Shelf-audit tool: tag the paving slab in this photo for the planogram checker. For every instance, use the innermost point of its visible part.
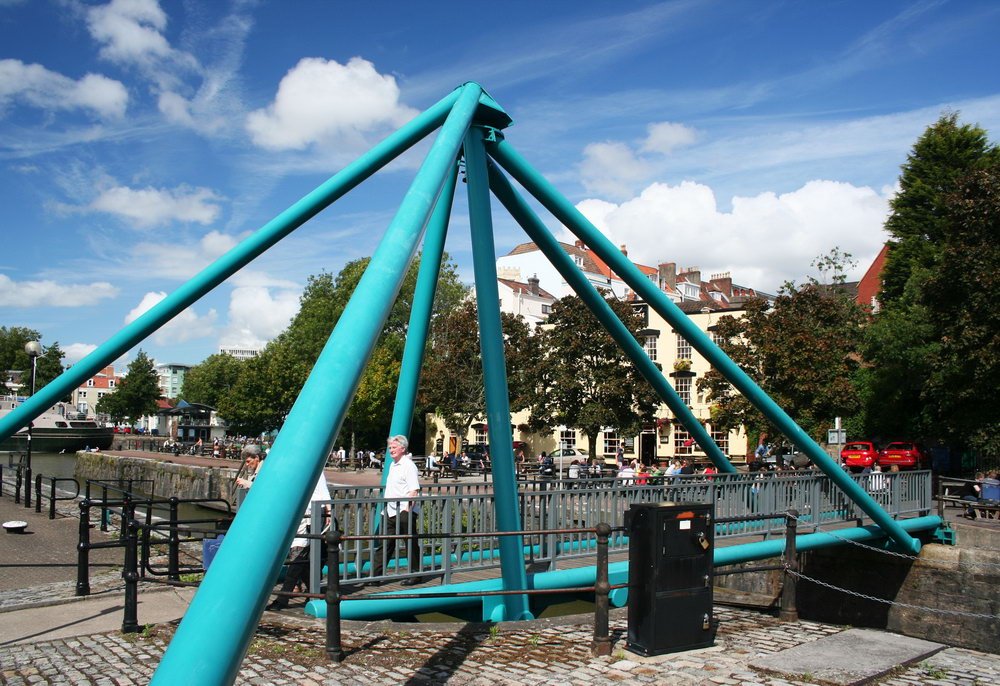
(92, 615)
(855, 656)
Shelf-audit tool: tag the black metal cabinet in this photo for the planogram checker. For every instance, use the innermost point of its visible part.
(670, 577)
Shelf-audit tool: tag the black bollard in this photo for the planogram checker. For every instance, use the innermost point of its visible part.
(334, 649)
(38, 493)
(130, 621)
(174, 544)
(83, 550)
(789, 610)
(602, 587)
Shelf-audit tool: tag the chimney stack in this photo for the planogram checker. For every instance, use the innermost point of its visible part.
(533, 284)
(668, 275)
(580, 244)
(624, 250)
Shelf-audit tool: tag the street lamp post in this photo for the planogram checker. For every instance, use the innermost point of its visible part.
(34, 349)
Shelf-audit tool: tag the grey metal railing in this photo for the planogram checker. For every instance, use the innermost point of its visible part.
(547, 505)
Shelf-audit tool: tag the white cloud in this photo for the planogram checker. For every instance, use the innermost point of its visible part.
(47, 293)
(148, 207)
(665, 137)
(129, 30)
(611, 169)
(764, 241)
(256, 316)
(324, 102)
(176, 109)
(77, 351)
(186, 326)
(37, 86)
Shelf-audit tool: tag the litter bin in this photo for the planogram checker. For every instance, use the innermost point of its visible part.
(209, 547)
(670, 577)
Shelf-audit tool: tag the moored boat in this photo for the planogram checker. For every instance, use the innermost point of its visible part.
(58, 429)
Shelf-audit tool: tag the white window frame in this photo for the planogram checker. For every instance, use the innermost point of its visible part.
(567, 438)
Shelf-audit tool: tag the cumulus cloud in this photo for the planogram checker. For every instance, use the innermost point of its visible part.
(39, 87)
(46, 293)
(148, 207)
(256, 315)
(186, 326)
(665, 137)
(324, 102)
(77, 351)
(129, 30)
(763, 241)
(611, 169)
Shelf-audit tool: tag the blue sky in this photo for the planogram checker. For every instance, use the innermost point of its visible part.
(140, 139)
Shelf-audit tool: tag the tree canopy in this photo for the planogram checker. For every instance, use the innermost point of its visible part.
(802, 351)
(583, 379)
(13, 358)
(266, 387)
(932, 346)
(452, 381)
(136, 394)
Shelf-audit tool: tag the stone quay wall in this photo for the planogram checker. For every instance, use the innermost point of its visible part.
(950, 594)
(168, 479)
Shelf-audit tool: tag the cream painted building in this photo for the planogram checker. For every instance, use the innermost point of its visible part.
(703, 301)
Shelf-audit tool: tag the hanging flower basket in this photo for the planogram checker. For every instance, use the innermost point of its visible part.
(682, 365)
(663, 424)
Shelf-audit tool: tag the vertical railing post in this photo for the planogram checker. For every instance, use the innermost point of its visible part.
(83, 550)
(52, 499)
(38, 493)
(105, 513)
(602, 587)
(18, 476)
(130, 621)
(334, 649)
(174, 544)
(789, 611)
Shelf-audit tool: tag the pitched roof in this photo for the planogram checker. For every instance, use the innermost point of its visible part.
(523, 288)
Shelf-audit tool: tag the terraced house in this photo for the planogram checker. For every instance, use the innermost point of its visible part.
(526, 270)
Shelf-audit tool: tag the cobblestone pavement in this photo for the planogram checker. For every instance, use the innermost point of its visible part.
(291, 651)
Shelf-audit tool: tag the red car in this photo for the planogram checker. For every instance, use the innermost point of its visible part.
(903, 454)
(859, 454)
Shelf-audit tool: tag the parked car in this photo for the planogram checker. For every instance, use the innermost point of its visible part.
(563, 457)
(788, 454)
(859, 454)
(903, 454)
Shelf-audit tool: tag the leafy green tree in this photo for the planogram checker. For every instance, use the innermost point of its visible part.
(940, 159)
(247, 407)
(802, 351)
(452, 383)
(261, 403)
(962, 393)
(136, 394)
(584, 380)
(924, 296)
(13, 358)
(208, 382)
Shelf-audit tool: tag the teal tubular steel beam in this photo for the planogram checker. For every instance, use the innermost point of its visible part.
(216, 630)
(495, 377)
(420, 314)
(227, 265)
(565, 212)
(543, 238)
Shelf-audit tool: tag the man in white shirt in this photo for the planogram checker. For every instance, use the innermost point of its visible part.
(298, 565)
(402, 482)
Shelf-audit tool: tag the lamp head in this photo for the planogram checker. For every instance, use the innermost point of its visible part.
(33, 348)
